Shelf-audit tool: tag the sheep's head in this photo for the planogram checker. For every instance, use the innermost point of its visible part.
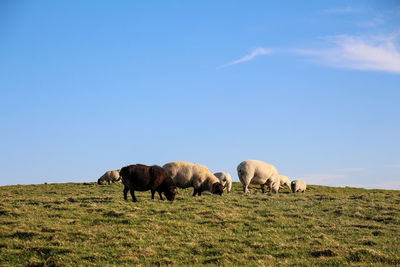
(293, 186)
(170, 193)
(289, 184)
(217, 188)
(223, 181)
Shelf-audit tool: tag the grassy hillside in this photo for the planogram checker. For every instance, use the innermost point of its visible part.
(88, 224)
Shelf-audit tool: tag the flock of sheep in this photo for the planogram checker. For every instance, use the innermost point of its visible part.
(184, 174)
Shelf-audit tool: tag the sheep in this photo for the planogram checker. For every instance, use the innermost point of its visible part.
(298, 186)
(284, 180)
(225, 179)
(187, 174)
(110, 176)
(258, 172)
(273, 184)
(141, 177)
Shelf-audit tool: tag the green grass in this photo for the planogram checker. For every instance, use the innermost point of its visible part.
(88, 224)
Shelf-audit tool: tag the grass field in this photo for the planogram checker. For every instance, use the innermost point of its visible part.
(88, 224)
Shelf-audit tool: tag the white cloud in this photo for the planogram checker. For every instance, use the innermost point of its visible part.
(386, 185)
(341, 180)
(388, 16)
(256, 52)
(352, 52)
(350, 170)
(374, 22)
(343, 10)
(392, 165)
(323, 178)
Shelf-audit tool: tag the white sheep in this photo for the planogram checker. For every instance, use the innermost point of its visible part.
(298, 186)
(284, 180)
(187, 174)
(258, 172)
(110, 176)
(273, 184)
(225, 179)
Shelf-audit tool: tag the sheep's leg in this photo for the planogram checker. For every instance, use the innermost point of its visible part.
(133, 195)
(199, 192)
(194, 192)
(245, 189)
(269, 184)
(160, 193)
(274, 190)
(126, 189)
(152, 193)
(263, 188)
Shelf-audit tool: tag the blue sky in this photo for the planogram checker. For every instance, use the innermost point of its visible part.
(88, 86)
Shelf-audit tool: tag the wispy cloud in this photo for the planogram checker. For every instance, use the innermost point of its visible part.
(353, 52)
(334, 179)
(392, 166)
(323, 178)
(379, 18)
(386, 185)
(374, 22)
(342, 10)
(350, 170)
(256, 52)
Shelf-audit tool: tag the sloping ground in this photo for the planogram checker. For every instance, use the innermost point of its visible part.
(88, 224)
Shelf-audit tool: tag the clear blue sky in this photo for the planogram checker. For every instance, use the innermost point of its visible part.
(88, 86)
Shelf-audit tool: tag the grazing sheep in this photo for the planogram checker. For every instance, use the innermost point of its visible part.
(110, 176)
(225, 179)
(298, 186)
(186, 174)
(258, 172)
(140, 177)
(284, 180)
(273, 184)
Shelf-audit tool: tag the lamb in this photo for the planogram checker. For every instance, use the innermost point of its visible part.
(186, 174)
(284, 180)
(258, 172)
(298, 186)
(110, 176)
(225, 179)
